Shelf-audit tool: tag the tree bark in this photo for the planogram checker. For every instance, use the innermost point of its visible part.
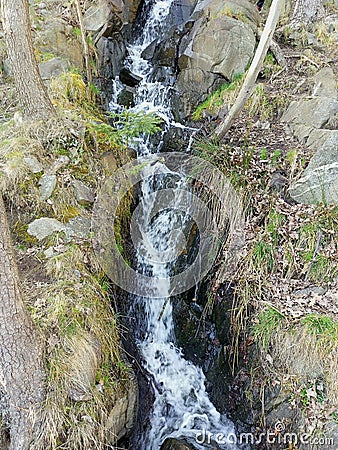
(305, 12)
(250, 79)
(17, 30)
(21, 364)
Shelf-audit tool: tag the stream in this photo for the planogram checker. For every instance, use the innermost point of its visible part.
(182, 408)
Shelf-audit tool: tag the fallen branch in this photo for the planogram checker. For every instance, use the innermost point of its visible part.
(254, 69)
(297, 55)
(276, 51)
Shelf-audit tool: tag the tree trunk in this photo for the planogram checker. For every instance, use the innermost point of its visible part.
(254, 69)
(17, 30)
(305, 12)
(20, 349)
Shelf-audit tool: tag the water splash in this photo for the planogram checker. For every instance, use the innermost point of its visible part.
(182, 407)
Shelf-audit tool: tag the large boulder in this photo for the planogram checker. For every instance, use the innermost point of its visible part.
(311, 121)
(57, 38)
(105, 17)
(219, 46)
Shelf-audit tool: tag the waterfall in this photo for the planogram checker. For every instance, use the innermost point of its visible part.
(181, 408)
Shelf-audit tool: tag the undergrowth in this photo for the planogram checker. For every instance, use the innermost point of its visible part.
(68, 301)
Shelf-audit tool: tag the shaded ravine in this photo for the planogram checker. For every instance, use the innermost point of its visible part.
(182, 408)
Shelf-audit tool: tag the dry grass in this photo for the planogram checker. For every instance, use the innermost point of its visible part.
(84, 356)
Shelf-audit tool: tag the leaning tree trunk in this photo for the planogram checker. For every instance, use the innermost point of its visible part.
(305, 12)
(255, 67)
(17, 30)
(21, 368)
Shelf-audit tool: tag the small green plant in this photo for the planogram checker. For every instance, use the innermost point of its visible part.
(77, 31)
(263, 154)
(268, 321)
(276, 156)
(125, 127)
(274, 222)
(262, 255)
(217, 99)
(323, 327)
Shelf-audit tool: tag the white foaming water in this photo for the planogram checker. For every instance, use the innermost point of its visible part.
(182, 407)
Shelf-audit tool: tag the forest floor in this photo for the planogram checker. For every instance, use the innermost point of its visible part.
(287, 282)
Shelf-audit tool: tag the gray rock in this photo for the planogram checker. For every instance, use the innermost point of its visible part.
(97, 16)
(53, 68)
(122, 417)
(33, 164)
(318, 185)
(84, 195)
(325, 145)
(318, 290)
(44, 227)
(78, 228)
(47, 186)
(314, 113)
(319, 181)
(219, 46)
(325, 84)
(7, 67)
(105, 15)
(56, 38)
(49, 253)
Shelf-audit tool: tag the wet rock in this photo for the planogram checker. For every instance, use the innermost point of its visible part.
(84, 360)
(47, 186)
(129, 78)
(126, 97)
(111, 52)
(53, 68)
(122, 417)
(33, 164)
(175, 444)
(44, 227)
(148, 52)
(84, 195)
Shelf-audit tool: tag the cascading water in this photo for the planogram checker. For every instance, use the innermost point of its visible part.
(181, 408)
